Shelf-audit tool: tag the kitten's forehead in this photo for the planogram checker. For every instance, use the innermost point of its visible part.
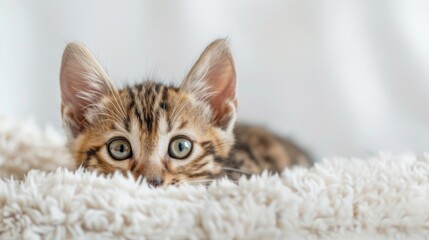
(157, 107)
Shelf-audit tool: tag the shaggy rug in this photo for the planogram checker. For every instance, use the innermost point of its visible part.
(382, 197)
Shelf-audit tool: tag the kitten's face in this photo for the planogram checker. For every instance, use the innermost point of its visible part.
(165, 134)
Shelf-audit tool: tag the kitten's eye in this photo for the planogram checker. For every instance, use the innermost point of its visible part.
(119, 148)
(180, 147)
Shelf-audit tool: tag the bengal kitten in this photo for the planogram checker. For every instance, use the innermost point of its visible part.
(166, 134)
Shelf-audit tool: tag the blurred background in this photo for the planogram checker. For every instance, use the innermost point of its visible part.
(342, 78)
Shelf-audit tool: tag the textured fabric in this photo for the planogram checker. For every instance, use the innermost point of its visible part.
(385, 196)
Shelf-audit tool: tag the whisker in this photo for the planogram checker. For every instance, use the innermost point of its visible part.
(207, 181)
(200, 181)
(99, 88)
(201, 91)
(236, 170)
(117, 107)
(178, 109)
(109, 116)
(112, 114)
(89, 94)
(118, 101)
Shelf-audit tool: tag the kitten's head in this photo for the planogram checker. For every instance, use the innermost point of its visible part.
(165, 134)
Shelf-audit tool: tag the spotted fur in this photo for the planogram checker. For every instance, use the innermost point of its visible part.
(150, 114)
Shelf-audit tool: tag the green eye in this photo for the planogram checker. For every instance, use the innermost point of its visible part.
(180, 147)
(119, 148)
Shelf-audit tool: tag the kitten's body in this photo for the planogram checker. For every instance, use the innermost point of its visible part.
(257, 149)
(152, 125)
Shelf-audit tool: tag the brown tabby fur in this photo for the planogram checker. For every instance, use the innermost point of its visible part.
(149, 114)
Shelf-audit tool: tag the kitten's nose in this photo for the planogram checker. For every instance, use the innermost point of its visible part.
(156, 181)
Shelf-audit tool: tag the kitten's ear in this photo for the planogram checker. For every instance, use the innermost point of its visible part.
(213, 79)
(83, 82)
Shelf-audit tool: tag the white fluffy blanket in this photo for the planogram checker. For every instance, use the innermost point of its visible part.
(385, 196)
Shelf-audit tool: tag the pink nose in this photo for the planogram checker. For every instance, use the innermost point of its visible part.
(156, 181)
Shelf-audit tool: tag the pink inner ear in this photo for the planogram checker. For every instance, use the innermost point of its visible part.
(83, 82)
(73, 82)
(222, 79)
(213, 79)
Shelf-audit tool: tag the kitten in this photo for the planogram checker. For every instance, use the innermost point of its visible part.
(166, 134)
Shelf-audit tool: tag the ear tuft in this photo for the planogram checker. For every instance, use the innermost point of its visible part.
(213, 79)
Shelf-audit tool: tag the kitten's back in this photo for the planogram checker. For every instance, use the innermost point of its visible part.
(257, 149)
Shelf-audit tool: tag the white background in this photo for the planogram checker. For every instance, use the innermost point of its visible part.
(344, 78)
